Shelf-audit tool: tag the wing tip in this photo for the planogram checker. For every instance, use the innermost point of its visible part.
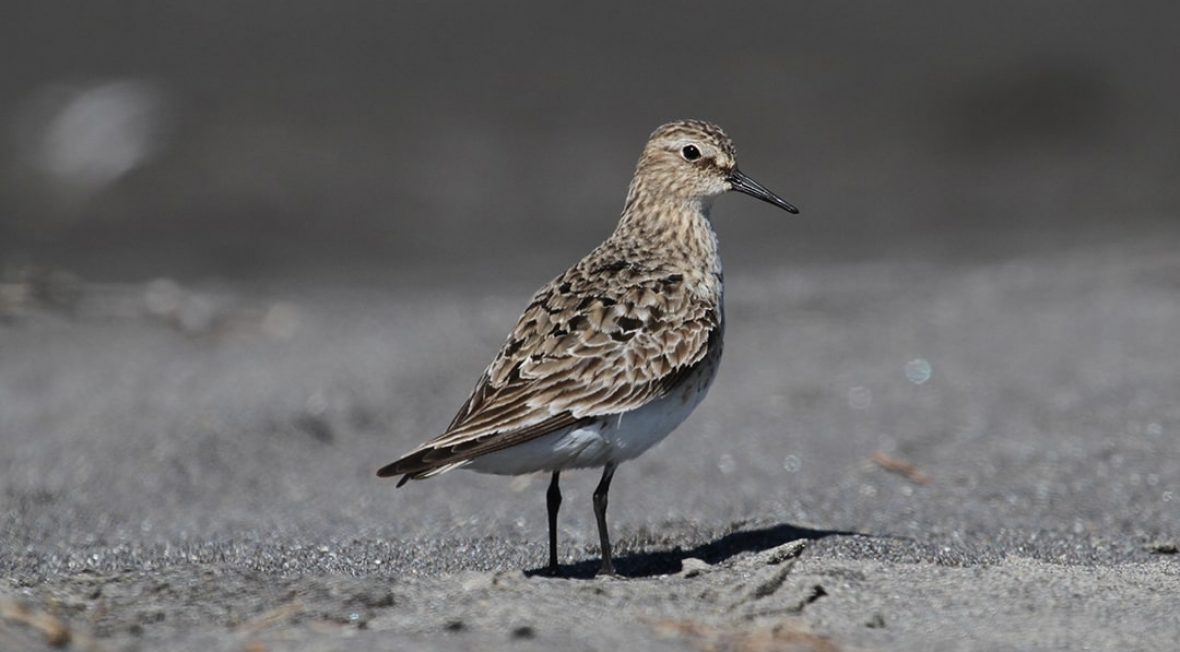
(402, 467)
(395, 468)
(390, 470)
(387, 470)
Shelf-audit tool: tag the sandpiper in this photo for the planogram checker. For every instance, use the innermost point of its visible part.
(612, 355)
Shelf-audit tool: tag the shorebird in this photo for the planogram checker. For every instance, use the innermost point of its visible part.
(612, 355)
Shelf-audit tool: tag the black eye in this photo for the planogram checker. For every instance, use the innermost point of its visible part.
(691, 152)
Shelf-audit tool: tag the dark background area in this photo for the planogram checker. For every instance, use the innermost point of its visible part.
(236, 139)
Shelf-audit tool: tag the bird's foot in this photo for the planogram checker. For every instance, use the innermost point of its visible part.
(607, 570)
(553, 570)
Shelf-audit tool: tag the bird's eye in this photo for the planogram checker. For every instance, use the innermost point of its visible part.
(690, 152)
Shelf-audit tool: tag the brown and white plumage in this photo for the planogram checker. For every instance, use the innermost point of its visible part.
(633, 328)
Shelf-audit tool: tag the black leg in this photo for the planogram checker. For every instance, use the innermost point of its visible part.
(607, 567)
(553, 499)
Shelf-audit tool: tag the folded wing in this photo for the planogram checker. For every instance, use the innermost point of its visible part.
(578, 352)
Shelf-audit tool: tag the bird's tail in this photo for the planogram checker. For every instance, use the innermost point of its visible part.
(413, 467)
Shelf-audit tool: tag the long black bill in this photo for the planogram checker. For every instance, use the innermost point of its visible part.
(741, 183)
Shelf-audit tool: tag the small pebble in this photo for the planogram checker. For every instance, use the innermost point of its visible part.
(691, 567)
(1163, 547)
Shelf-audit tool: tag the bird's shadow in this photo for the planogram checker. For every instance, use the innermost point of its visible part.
(667, 562)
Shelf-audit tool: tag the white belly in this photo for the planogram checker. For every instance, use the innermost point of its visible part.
(614, 438)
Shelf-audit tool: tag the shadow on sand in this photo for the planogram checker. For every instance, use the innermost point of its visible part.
(667, 562)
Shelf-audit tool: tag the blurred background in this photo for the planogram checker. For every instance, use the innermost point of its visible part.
(251, 251)
(235, 139)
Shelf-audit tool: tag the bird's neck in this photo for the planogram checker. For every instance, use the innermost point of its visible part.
(671, 227)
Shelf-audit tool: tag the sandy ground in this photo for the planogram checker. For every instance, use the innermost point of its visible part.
(191, 468)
